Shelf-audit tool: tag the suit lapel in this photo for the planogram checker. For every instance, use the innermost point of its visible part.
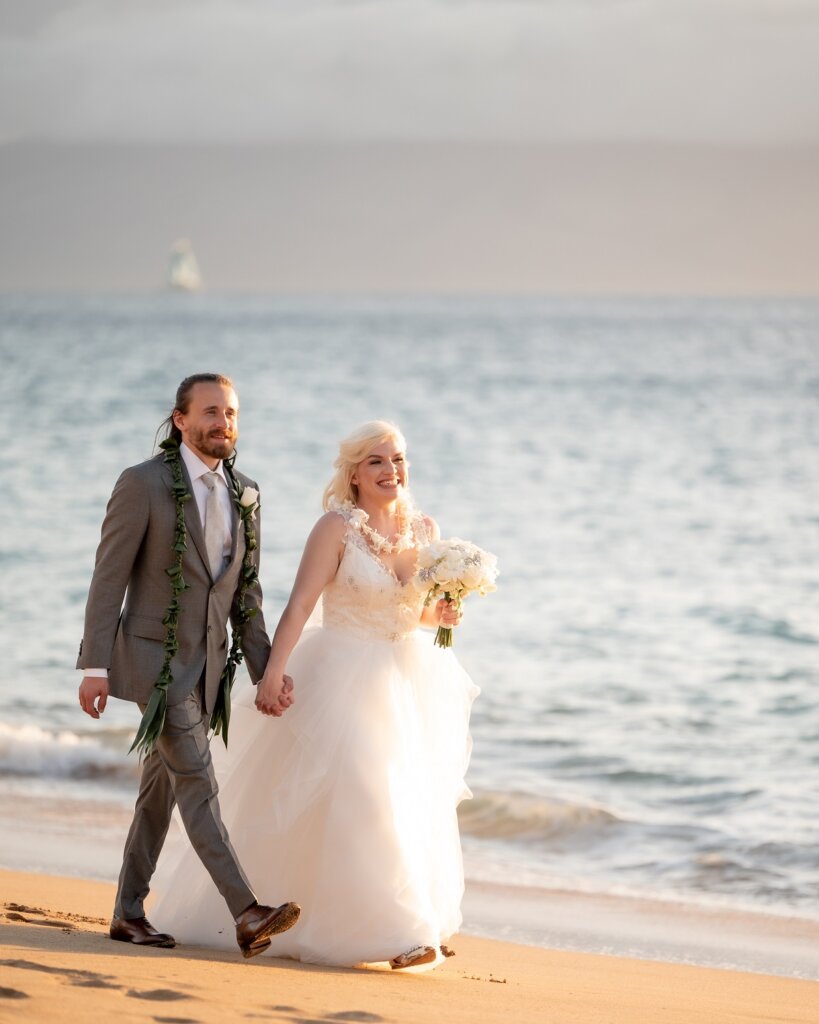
(237, 547)
(193, 524)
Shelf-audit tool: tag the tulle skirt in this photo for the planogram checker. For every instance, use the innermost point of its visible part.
(345, 805)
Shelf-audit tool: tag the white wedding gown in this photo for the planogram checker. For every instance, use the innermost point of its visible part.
(347, 803)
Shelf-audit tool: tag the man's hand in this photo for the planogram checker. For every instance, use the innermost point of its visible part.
(274, 696)
(93, 695)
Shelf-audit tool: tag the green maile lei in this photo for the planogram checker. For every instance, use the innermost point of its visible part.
(153, 720)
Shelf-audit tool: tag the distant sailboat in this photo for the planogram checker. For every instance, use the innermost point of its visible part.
(183, 270)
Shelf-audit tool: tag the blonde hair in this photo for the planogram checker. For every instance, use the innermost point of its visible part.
(354, 449)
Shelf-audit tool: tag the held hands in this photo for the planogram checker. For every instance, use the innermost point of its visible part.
(274, 695)
(93, 691)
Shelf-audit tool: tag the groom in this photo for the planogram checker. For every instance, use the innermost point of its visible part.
(133, 653)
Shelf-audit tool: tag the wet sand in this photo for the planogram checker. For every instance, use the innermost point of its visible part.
(57, 964)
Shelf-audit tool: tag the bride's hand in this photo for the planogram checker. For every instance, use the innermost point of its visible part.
(274, 695)
(449, 613)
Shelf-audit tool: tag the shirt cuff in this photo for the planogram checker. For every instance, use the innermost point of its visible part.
(98, 673)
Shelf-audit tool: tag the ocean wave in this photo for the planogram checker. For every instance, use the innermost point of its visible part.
(525, 817)
(29, 750)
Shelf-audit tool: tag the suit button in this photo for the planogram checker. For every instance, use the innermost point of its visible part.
(210, 628)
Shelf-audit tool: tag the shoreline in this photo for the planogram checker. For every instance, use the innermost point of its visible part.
(85, 845)
(646, 928)
(58, 964)
(609, 924)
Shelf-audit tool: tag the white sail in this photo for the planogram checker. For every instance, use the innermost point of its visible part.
(183, 270)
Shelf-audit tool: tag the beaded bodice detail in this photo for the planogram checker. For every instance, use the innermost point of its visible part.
(366, 598)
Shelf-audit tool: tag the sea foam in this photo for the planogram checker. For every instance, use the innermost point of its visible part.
(30, 750)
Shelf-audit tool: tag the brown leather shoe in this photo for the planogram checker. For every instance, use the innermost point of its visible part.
(258, 923)
(140, 932)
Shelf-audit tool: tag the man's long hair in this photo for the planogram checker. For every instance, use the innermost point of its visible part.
(183, 401)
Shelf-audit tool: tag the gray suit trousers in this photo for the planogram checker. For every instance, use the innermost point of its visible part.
(180, 771)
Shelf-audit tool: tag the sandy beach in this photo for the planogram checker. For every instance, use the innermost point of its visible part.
(57, 964)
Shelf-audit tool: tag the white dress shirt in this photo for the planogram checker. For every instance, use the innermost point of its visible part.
(196, 470)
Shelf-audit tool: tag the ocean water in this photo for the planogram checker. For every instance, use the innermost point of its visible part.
(645, 471)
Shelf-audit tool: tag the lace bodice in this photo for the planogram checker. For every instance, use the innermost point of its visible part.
(366, 598)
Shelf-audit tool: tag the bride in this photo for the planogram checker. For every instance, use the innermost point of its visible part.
(347, 804)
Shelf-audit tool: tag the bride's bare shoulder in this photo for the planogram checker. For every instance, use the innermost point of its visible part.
(327, 537)
(430, 528)
(331, 526)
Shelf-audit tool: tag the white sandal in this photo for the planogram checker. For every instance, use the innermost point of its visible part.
(414, 957)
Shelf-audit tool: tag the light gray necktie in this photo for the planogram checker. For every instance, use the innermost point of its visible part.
(214, 526)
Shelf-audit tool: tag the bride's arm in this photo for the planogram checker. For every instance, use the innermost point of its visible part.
(442, 613)
(319, 564)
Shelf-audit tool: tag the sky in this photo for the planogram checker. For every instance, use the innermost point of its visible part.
(250, 71)
(582, 146)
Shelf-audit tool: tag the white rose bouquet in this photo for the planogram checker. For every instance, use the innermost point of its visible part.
(453, 569)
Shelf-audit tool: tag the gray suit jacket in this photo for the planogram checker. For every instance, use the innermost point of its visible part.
(133, 554)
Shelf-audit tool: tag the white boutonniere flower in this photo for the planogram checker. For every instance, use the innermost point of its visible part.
(249, 498)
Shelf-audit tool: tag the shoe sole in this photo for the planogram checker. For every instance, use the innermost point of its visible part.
(286, 919)
(164, 944)
(259, 946)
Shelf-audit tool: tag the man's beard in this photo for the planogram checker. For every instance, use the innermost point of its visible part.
(215, 447)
